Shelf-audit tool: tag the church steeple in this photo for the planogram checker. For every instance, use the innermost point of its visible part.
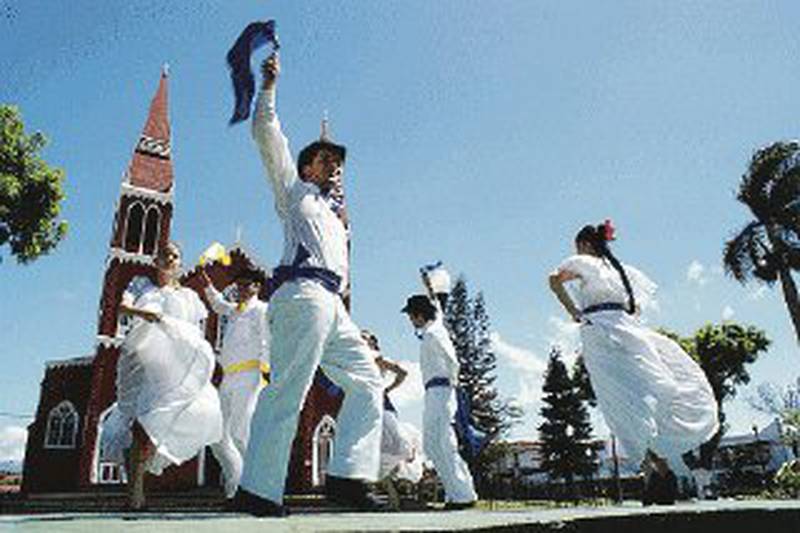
(144, 209)
(151, 167)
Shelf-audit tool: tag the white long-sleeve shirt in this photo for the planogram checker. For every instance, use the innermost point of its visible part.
(307, 218)
(437, 356)
(247, 333)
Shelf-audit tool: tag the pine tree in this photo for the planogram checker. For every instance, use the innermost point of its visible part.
(470, 328)
(492, 414)
(566, 432)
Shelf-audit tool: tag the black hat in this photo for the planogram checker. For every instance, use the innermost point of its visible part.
(419, 303)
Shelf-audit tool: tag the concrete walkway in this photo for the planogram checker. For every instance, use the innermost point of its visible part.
(756, 516)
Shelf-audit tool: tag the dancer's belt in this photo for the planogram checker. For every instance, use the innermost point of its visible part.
(607, 306)
(247, 364)
(437, 382)
(330, 280)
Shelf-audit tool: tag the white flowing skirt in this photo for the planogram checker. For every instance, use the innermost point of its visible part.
(652, 394)
(401, 449)
(164, 382)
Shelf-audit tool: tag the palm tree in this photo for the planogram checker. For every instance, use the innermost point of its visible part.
(768, 248)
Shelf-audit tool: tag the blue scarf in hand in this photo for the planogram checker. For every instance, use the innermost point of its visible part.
(254, 36)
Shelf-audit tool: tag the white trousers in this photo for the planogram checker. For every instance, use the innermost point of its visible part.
(441, 446)
(311, 328)
(238, 394)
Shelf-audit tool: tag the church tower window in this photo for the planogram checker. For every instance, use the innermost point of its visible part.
(133, 228)
(151, 230)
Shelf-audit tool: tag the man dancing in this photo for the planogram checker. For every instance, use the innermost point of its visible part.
(244, 359)
(439, 366)
(310, 326)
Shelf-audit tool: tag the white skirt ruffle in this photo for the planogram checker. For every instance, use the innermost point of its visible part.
(652, 394)
(164, 382)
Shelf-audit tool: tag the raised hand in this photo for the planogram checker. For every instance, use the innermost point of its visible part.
(270, 70)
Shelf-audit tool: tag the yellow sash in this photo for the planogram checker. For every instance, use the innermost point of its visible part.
(248, 364)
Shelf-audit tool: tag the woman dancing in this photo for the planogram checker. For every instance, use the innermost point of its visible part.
(167, 409)
(400, 456)
(656, 400)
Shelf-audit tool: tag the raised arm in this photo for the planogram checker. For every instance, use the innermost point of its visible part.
(399, 372)
(217, 301)
(426, 282)
(272, 143)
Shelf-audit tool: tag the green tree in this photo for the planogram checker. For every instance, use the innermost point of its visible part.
(470, 329)
(768, 248)
(30, 191)
(723, 351)
(580, 375)
(566, 431)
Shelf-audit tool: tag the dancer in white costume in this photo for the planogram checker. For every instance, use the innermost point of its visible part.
(310, 327)
(654, 397)
(439, 368)
(244, 359)
(167, 409)
(400, 450)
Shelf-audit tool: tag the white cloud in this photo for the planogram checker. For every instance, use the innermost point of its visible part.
(566, 335)
(727, 312)
(518, 358)
(12, 443)
(524, 370)
(696, 273)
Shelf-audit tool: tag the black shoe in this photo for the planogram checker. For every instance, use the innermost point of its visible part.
(353, 493)
(660, 489)
(649, 489)
(459, 506)
(668, 489)
(247, 502)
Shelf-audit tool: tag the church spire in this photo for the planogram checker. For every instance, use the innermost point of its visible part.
(151, 167)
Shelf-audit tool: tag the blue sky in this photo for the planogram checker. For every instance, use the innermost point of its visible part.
(484, 134)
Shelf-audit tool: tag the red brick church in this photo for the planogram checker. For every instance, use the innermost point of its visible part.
(62, 453)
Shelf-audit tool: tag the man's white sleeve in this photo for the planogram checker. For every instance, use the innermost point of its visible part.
(274, 149)
(218, 303)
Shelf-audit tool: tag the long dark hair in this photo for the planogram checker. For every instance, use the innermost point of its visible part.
(598, 238)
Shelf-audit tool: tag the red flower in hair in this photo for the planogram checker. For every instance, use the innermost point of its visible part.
(608, 230)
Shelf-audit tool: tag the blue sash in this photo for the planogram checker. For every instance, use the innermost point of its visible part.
(330, 280)
(607, 306)
(437, 382)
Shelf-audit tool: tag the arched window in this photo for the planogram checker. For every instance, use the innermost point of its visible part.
(106, 471)
(322, 449)
(133, 228)
(151, 230)
(62, 426)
